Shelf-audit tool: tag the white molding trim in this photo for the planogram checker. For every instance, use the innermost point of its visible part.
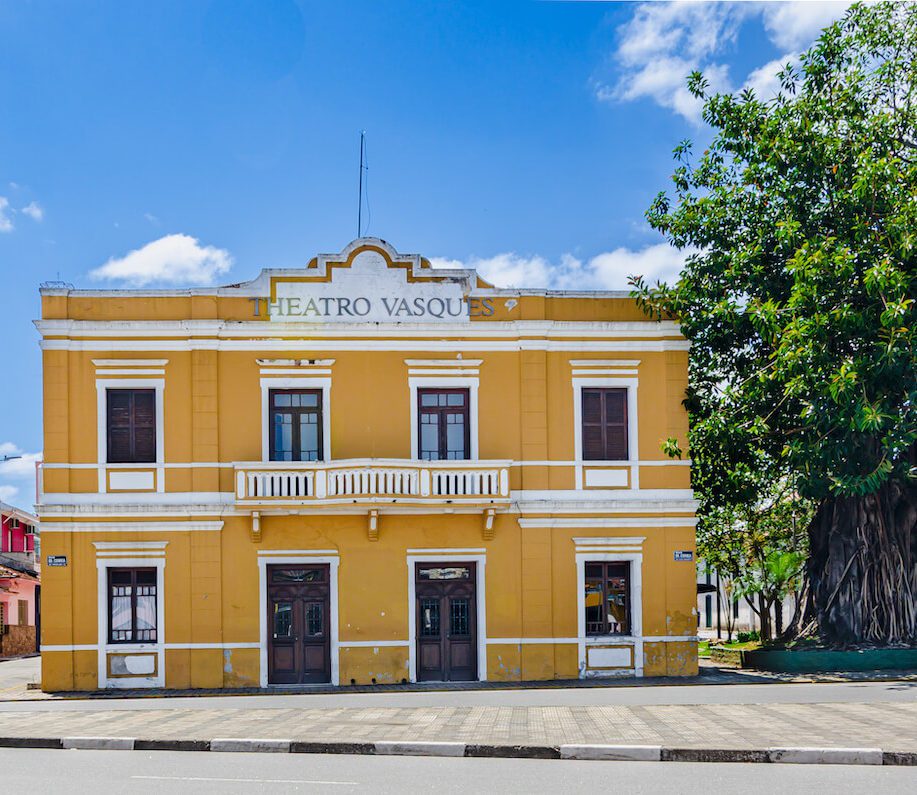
(636, 609)
(167, 646)
(360, 644)
(650, 521)
(130, 363)
(305, 343)
(627, 329)
(584, 544)
(520, 641)
(292, 557)
(104, 647)
(104, 384)
(633, 447)
(178, 526)
(448, 556)
(269, 382)
(110, 546)
(446, 382)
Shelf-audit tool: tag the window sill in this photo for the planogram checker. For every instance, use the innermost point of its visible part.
(602, 639)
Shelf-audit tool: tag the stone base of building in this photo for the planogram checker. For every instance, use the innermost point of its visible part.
(17, 640)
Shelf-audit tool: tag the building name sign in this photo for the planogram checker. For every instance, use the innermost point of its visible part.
(380, 308)
(369, 291)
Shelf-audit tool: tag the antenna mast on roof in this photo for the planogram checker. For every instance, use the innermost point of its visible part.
(360, 195)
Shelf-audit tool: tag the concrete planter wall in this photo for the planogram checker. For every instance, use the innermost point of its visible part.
(730, 658)
(826, 660)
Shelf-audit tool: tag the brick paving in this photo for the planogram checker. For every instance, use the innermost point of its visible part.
(889, 726)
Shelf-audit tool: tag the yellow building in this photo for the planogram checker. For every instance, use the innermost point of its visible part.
(364, 470)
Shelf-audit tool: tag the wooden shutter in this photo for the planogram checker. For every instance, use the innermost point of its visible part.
(120, 404)
(593, 437)
(144, 421)
(615, 424)
(604, 424)
(131, 426)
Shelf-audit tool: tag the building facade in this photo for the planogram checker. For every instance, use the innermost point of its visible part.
(20, 583)
(364, 470)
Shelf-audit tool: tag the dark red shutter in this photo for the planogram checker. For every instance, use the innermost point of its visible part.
(131, 426)
(144, 420)
(604, 424)
(615, 424)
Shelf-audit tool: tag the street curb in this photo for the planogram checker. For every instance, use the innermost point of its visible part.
(30, 742)
(398, 748)
(826, 756)
(584, 751)
(97, 743)
(613, 753)
(248, 745)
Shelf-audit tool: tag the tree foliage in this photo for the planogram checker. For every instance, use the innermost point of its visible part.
(799, 301)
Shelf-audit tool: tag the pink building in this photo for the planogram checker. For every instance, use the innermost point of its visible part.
(20, 584)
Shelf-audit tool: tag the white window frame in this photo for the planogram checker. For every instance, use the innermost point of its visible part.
(298, 557)
(102, 387)
(470, 383)
(635, 638)
(476, 556)
(633, 448)
(155, 560)
(268, 383)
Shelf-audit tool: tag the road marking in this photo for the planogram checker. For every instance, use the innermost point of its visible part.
(246, 780)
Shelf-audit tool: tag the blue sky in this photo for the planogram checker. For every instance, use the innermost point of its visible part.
(192, 143)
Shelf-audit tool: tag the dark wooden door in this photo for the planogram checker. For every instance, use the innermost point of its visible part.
(447, 647)
(299, 647)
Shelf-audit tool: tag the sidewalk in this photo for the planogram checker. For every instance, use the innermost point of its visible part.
(858, 733)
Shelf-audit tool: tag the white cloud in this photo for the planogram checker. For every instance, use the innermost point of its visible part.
(764, 81)
(34, 210)
(607, 271)
(793, 26)
(173, 259)
(664, 42)
(6, 223)
(20, 470)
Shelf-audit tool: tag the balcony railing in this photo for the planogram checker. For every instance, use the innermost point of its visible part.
(372, 480)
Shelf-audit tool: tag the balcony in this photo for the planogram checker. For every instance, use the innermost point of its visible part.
(372, 482)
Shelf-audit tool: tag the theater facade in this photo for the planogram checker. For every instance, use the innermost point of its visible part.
(366, 470)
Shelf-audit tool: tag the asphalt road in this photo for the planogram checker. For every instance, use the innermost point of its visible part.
(37, 771)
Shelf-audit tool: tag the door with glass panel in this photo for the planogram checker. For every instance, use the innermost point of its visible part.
(299, 647)
(296, 424)
(447, 646)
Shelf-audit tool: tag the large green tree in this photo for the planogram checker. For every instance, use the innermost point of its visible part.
(799, 298)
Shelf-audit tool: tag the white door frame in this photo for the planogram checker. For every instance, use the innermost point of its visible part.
(476, 556)
(295, 557)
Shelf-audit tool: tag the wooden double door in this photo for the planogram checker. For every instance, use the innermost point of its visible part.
(299, 646)
(446, 613)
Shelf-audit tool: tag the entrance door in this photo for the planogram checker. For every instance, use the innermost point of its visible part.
(447, 647)
(299, 649)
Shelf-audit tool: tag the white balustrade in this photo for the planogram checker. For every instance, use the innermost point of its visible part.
(312, 481)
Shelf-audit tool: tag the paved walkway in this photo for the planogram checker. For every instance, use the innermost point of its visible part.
(889, 726)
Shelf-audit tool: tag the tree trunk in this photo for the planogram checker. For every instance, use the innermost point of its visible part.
(764, 615)
(778, 617)
(863, 567)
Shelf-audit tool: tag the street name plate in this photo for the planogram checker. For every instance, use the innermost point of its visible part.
(684, 554)
(57, 560)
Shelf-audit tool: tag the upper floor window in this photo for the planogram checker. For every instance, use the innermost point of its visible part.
(295, 424)
(132, 605)
(607, 598)
(604, 424)
(131, 426)
(443, 419)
